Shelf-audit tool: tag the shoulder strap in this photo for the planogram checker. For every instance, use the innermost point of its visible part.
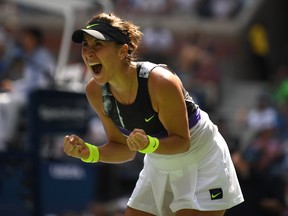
(145, 68)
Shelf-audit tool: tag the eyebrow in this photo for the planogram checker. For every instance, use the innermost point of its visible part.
(95, 40)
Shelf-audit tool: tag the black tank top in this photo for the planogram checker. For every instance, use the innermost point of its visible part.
(140, 113)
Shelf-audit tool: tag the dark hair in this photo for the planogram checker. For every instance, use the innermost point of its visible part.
(34, 32)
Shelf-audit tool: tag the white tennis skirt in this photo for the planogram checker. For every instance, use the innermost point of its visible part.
(203, 178)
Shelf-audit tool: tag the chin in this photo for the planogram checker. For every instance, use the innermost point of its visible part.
(100, 81)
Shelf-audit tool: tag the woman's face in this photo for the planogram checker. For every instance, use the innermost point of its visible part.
(100, 57)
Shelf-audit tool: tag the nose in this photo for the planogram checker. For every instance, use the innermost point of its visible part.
(90, 52)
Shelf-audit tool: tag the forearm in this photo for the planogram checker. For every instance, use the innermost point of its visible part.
(173, 145)
(138, 140)
(115, 153)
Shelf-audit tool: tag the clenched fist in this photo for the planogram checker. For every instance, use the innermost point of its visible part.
(137, 140)
(74, 146)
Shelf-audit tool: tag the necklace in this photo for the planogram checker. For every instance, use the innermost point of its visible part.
(130, 92)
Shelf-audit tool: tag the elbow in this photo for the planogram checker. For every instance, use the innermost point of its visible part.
(131, 159)
(131, 156)
(185, 145)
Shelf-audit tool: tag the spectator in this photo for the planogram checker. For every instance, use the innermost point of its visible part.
(224, 9)
(199, 71)
(157, 44)
(3, 63)
(283, 120)
(184, 6)
(262, 116)
(9, 54)
(37, 73)
(150, 6)
(280, 84)
(207, 79)
(123, 6)
(259, 51)
(219, 9)
(258, 171)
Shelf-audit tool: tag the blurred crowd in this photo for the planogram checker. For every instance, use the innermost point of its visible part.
(260, 154)
(214, 9)
(26, 65)
(260, 145)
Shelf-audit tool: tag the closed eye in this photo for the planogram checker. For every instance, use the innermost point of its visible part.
(96, 43)
(84, 43)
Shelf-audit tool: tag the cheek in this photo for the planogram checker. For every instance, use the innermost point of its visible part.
(83, 57)
(83, 51)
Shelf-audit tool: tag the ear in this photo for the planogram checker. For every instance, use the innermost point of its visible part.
(123, 50)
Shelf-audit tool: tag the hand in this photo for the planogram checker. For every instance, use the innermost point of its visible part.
(137, 140)
(74, 146)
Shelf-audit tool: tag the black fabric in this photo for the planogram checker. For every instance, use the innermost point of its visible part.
(139, 114)
(140, 110)
(106, 29)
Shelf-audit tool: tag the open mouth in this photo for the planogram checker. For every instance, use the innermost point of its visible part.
(96, 68)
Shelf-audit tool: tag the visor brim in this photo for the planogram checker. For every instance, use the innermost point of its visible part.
(77, 36)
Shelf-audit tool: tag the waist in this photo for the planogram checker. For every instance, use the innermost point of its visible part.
(194, 118)
(202, 140)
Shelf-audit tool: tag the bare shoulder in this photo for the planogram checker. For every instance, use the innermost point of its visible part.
(162, 80)
(164, 87)
(94, 95)
(163, 77)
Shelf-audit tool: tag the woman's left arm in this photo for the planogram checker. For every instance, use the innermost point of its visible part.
(165, 90)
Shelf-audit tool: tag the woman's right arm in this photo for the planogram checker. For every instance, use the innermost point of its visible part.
(116, 149)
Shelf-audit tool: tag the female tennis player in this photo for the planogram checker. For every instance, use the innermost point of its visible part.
(145, 110)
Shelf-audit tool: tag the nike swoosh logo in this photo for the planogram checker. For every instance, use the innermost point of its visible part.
(148, 119)
(90, 26)
(213, 196)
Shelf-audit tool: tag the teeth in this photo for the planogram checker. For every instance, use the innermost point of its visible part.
(93, 64)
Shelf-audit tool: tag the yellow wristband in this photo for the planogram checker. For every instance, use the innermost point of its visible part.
(152, 145)
(94, 154)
